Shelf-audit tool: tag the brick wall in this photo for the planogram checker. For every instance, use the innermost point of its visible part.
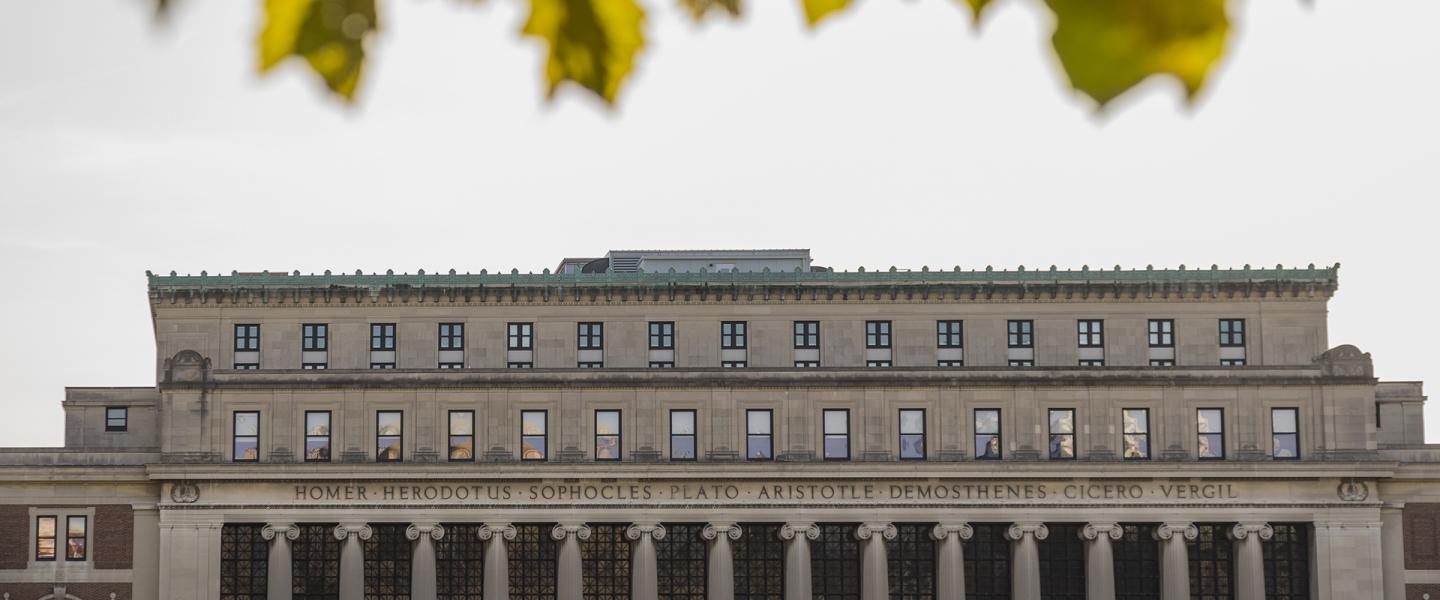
(83, 591)
(113, 537)
(14, 529)
(1422, 537)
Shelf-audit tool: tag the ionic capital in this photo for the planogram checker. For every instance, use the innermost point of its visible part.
(288, 530)
(1093, 531)
(581, 531)
(811, 531)
(360, 530)
(943, 531)
(868, 530)
(1243, 530)
(715, 530)
(654, 531)
(1166, 531)
(415, 530)
(1017, 531)
(490, 530)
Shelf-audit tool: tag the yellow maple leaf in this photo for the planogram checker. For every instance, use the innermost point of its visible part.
(592, 42)
(329, 34)
(818, 10)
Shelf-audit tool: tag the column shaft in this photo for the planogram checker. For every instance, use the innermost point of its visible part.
(497, 560)
(278, 580)
(1392, 551)
(950, 561)
(422, 560)
(797, 538)
(352, 561)
(1100, 559)
(1025, 560)
(1175, 560)
(569, 584)
(644, 570)
(720, 577)
(1250, 559)
(874, 564)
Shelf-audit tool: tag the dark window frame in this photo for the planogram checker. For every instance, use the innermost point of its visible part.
(999, 434)
(590, 364)
(734, 364)
(662, 335)
(400, 438)
(769, 436)
(806, 335)
(382, 337)
(825, 434)
(451, 435)
(1160, 333)
(949, 364)
(694, 436)
(54, 538)
(1232, 362)
(879, 364)
(902, 435)
(520, 335)
(451, 337)
(807, 364)
(877, 335)
(1232, 333)
(737, 337)
(1162, 362)
(662, 364)
(1022, 362)
(1149, 448)
(328, 437)
(543, 435)
(84, 538)
(590, 335)
(112, 425)
(1090, 333)
(520, 365)
(950, 333)
(1074, 439)
(247, 337)
(314, 337)
(1201, 435)
(1020, 333)
(235, 436)
(1275, 434)
(618, 435)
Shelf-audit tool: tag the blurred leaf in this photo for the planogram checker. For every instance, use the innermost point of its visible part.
(328, 34)
(699, 8)
(592, 42)
(818, 10)
(1109, 46)
(977, 7)
(163, 8)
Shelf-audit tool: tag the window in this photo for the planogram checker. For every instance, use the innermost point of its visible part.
(1162, 362)
(382, 365)
(1232, 333)
(607, 435)
(452, 336)
(878, 363)
(313, 366)
(1022, 334)
(807, 335)
(1210, 426)
(759, 562)
(949, 364)
(519, 365)
(987, 434)
(452, 365)
(1091, 333)
(462, 435)
(837, 434)
(1062, 434)
(592, 364)
(533, 431)
(1232, 362)
(1212, 562)
(1135, 433)
(1062, 562)
(45, 535)
(117, 418)
(75, 527)
(877, 334)
(911, 557)
(758, 434)
(662, 335)
(912, 434)
(682, 435)
(1287, 562)
(314, 337)
(520, 336)
(591, 336)
(1162, 333)
(807, 364)
(681, 562)
(835, 563)
(732, 364)
(1022, 362)
(389, 436)
(386, 559)
(382, 337)
(244, 568)
(316, 560)
(987, 563)
(605, 563)
(532, 558)
(246, 437)
(1137, 563)
(317, 436)
(1285, 431)
(460, 563)
(1092, 362)
(949, 334)
(662, 364)
(732, 335)
(247, 338)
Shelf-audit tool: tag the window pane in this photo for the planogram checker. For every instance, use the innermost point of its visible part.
(912, 446)
(1284, 420)
(247, 448)
(1286, 445)
(1062, 446)
(532, 423)
(45, 549)
(462, 447)
(837, 421)
(46, 527)
(757, 446)
(759, 422)
(912, 421)
(987, 446)
(1212, 445)
(247, 424)
(607, 448)
(532, 447)
(317, 423)
(75, 527)
(1210, 421)
(837, 446)
(1137, 446)
(607, 422)
(317, 449)
(1062, 421)
(462, 423)
(388, 423)
(682, 447)
(389, 448)
(987, 421)
(1137, 421)
(682, 423)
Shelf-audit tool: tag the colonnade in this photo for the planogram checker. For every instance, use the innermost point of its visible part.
(1025, 537)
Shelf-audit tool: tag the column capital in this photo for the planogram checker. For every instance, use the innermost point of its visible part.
(788, 531)
(1017, 531)
(868, 530)
(415, 530)
(942, 531)
(288, 530)
(715, 530)
(1243, 530)
(1093, 531)
(636, 531)
(581, 531)
(490, 530)
(1166, 531)
(360, 530)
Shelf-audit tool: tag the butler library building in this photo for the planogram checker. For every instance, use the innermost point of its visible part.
(735, 425)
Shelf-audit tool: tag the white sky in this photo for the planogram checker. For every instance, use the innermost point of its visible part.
(893, 135)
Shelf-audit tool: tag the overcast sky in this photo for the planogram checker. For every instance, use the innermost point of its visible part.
(892, 136)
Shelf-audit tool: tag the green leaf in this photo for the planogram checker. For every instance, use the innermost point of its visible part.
(699, 8)
(1109, 46)
(592, 42)
(328, 34)
(818, 10)
(977, 7)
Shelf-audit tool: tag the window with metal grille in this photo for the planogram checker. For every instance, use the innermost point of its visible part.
(759, 557)
(1091, 333)
(807, 335)
(835, 563)
(680, 556)
(452, 336)
(532, 562)
(877, 334)
(244, 562)
(606, 560)
(1212, 563)
(387, 563)
(1021, 334)
(315, 563)
(382, 336)
(1137, 563)
(1135, 433)
(590, 336)
(1287, 562)
(987, 563)
(949, 334)
(911, 557)
(314, 336)
(733, 334)
(1062, 434)
(1162, 333)
(662, 335)
(520, 336)
(1062, 563)
(1232, 333)
(459, 564)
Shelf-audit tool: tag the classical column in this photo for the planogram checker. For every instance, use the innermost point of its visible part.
(1025, 559)
(352, 560)
(1392, 550)
(1100, 559)
(278, 581)
(644, 567)
(720, 577)
(568, 571)
(1175, 559)
(422, 562)
(874, 568)
(1250, 559)
(797, 538)
(497, 560)
(950, 560)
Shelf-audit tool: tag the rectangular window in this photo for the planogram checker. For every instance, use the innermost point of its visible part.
(389, 436)
(246, 437)
(314, 337)
(1135, 433)
(519, 365)
(878, 363)
(45, 535)
(117, 418)
(1162, 362)
(877, 334)
(533, 435)
(807, 364)
(758, 435)
(1210, 426)
(682, 435)
(607, 435)
(247, 338)
(949, 363)
(1162, 333)
(1062, 434)
(590, 336)
(452, 336)
(452, 365)
(1021, 334)
(807, 335)
(1285, 431)
(1232, 362)
(382, 365)
(732, 335)
(313, 366)
(662, 364)
(949, 334)
(382, 337)
(1232, 333)
(75, 529)
(662, 335)
(837, 434)
(1019, 362)
(462, 435)
(520, 336)
(732, 364)
(912, 434)
(591, 365)
(987, 434)
(1091, 333)
(1092, 362)
(317, 436)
